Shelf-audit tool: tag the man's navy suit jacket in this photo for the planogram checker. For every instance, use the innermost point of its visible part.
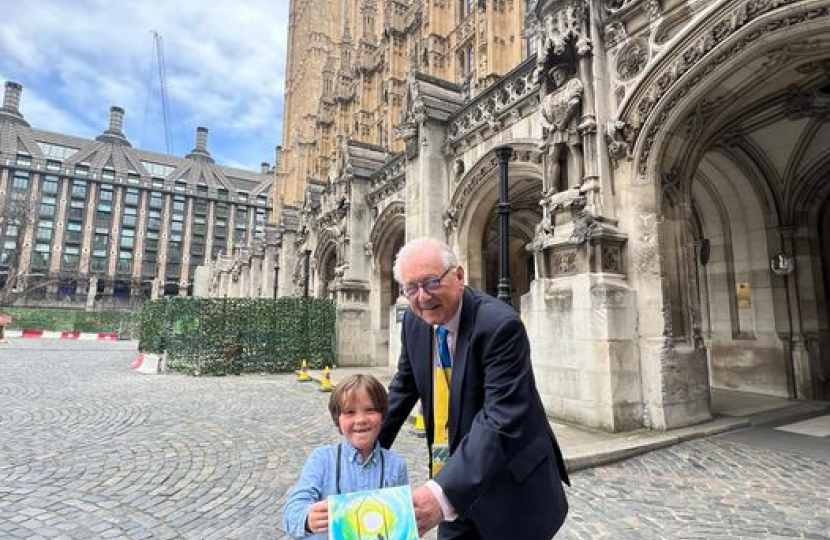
(506, 471)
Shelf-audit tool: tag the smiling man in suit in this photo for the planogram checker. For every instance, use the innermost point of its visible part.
(496, 468)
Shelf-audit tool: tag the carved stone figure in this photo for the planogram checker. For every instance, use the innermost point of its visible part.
(561, 112)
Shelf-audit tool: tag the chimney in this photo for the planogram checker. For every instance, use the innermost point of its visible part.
(264, 167)
(114, 134)
(116, 119)
(11, 99)
(201, 138)
(201, 151)
(11, 103)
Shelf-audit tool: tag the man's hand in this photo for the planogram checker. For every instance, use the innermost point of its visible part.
(428, 512)
(318, 517)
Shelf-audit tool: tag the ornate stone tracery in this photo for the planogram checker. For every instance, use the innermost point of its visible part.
(670, 81)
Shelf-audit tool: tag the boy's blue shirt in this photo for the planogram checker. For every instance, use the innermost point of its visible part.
(318, 481)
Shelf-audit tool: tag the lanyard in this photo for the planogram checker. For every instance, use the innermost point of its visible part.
(337, 469)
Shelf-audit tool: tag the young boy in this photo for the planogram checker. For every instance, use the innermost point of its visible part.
(357, 406)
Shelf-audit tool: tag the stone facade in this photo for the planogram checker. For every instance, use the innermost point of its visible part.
(667, 185)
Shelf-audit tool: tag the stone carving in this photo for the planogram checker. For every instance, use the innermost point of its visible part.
(497, 106)
(631, 60)
(564, 24)
(584, 226)
(458, 168)
(613, 6)
(561, 112)
(699, 55)
(542, 233)
(565, 262)
(612, 259)
(369, 250)
(615, 33)
(340, 271)
(451, 219)
(655, 9)
(618, 136)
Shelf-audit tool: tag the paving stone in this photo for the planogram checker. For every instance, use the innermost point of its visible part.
(91, 450)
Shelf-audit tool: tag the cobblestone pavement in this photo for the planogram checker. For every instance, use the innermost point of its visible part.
(91, 450)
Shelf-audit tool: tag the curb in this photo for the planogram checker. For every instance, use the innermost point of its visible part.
(627, 450)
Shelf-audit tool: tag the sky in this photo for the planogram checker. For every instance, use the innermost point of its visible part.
(225, 69)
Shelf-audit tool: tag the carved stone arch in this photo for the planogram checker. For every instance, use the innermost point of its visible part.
(527, 159)
(385, 240)
(325, 257)
(388, 223)
(813, 189)
(475, 223)
(722, 41)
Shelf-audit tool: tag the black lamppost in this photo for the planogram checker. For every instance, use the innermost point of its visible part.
(306, 257)
(503, 154)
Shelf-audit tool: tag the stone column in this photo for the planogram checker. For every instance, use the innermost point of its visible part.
(426, 180)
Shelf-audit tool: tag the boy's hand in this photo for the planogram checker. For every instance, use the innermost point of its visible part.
(318, 517)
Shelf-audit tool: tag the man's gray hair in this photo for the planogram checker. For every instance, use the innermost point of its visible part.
(448, 256)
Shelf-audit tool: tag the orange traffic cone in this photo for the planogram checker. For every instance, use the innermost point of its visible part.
(302, 374)
(325, 384)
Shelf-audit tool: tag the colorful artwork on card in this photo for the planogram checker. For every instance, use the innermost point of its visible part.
(379, 514)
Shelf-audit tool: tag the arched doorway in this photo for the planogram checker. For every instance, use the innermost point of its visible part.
(735, 144)
(385, 240)
(477, 235)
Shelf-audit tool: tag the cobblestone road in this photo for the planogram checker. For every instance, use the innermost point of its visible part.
(91, 450)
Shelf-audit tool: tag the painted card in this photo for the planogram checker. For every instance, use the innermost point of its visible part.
(378, 514)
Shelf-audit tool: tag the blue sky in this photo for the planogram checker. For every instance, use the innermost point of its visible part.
(225, 71)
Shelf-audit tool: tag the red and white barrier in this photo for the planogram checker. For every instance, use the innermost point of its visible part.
(28, 333)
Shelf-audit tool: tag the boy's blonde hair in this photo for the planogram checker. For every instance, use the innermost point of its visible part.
(345, 390)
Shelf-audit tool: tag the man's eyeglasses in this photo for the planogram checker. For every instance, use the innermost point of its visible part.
(430, 286)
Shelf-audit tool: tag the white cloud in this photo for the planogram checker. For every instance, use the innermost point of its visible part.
(224, 66)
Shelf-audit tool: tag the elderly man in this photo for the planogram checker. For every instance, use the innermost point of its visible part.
(496, 468)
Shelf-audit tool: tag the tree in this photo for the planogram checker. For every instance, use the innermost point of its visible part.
(16, 218)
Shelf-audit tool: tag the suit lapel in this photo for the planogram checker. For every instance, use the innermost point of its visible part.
(423, 369)
(459, 362)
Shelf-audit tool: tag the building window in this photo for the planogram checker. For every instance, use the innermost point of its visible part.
(79, 189)
(131, 197)
(128, 238)
(130, 217)
(97, 264)
(125, 262)
(20, 181)
(50, 185)
(156, 200)
(71, 257)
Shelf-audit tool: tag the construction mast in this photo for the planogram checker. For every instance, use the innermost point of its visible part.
(165, 107)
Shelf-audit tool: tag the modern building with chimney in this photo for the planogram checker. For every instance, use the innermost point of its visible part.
(99, 223)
